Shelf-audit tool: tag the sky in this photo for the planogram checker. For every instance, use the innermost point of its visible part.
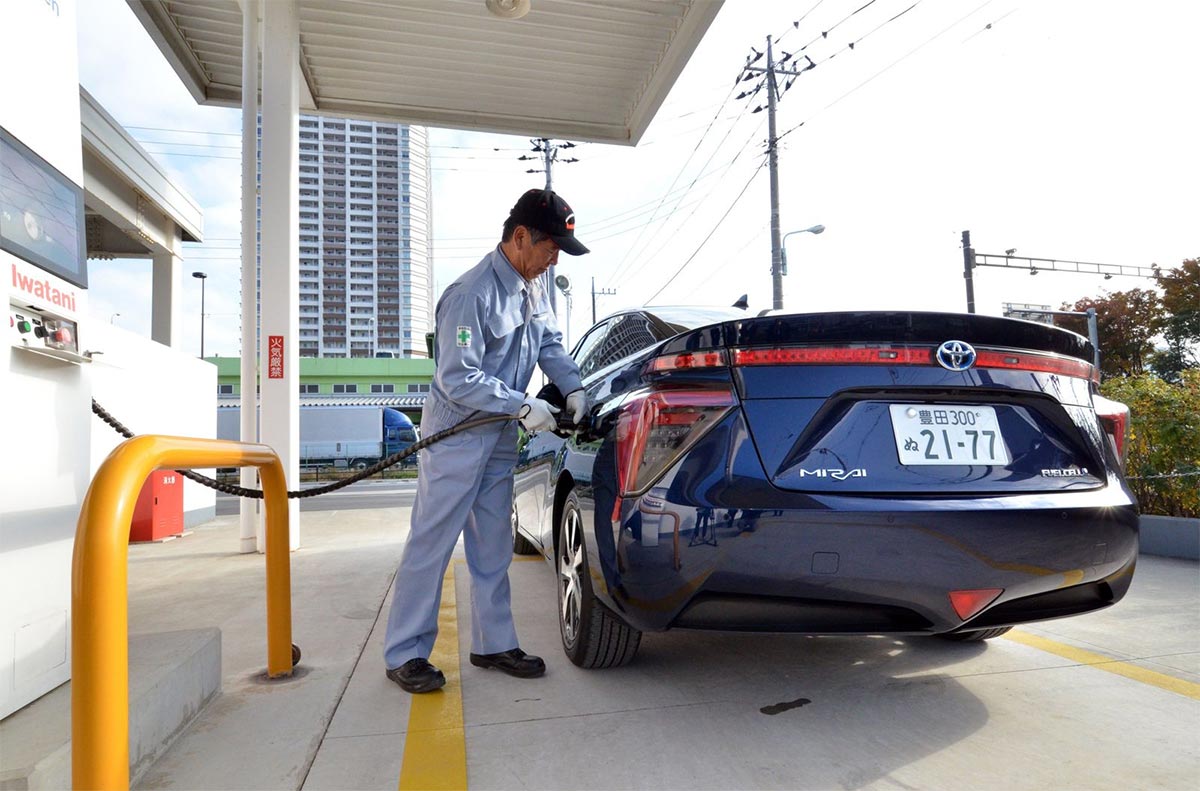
(1062, 128)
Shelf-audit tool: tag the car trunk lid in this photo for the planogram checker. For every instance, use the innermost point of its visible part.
(917, 403)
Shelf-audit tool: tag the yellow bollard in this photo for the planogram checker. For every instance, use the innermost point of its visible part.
(99, 591)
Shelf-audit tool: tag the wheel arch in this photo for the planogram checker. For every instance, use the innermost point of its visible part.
(562, 488)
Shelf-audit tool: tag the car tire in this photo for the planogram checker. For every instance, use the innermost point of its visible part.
(521, 544)
(976, 635)
(592, 635)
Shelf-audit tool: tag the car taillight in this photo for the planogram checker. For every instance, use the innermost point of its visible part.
(686, 361)
(827, 355)
(911, 355)
(1114, 419)
(1042, 363)
(655, 429)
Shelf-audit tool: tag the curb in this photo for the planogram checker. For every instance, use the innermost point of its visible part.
(1170, 537)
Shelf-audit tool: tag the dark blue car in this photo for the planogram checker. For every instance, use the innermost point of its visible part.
(828, 473)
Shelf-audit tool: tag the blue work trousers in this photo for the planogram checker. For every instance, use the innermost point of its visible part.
(465, 487)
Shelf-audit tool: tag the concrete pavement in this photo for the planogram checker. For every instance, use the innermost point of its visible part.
(694, 710)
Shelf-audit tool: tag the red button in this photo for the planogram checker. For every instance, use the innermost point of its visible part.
(62, 335)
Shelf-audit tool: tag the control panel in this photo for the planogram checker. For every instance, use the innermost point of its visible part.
(45, 333)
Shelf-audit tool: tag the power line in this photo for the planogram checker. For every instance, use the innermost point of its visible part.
(796, 24)
(989, 25)
(850, 45)
(751, 239)
(675, 180)
(825, 33)
(640, 225)
(191, 145)
(709, 236)
(725, 170)
(622, 270)
(183, 131)
(891, 65)
(680, 193)
(700, 174)
(696, 206)
(875, 29)
(239, 135)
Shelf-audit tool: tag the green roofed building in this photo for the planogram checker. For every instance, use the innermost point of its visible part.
(401, 383)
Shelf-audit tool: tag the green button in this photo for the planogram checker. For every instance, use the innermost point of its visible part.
(24, 326)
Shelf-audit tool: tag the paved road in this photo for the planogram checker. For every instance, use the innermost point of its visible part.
(1108, 701)
(365, 494)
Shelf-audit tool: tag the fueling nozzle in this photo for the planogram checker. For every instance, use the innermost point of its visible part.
(566, 426)
(565, 423)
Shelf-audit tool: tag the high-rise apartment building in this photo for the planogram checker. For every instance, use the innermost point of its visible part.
(366, 247)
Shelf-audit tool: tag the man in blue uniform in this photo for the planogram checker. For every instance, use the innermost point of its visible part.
(493, 325)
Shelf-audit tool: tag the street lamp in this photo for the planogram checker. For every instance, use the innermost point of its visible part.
(202, 276)
(564, 285)
(783, 244)
(113, 319)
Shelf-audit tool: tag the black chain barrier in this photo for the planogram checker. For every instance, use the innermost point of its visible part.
(382, 464)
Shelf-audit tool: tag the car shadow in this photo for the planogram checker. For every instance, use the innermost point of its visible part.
(766, 710)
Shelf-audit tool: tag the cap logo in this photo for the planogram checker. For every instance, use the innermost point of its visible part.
(570, 222)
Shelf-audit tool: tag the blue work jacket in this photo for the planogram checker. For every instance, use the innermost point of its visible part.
(492, 328)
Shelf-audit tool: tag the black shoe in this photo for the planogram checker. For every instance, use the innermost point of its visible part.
(417, 675)
(515, 662)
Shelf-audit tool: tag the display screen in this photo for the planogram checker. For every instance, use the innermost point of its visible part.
(41, 213)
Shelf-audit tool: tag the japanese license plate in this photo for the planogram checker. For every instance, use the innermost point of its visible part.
(948, 434)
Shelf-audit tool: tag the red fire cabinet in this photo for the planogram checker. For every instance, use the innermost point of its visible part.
(159, 510)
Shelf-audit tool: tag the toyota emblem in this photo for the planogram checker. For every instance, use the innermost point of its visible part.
(956, 355)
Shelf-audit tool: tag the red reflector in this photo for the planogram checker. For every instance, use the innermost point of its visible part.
(969, 603)
(687, 360)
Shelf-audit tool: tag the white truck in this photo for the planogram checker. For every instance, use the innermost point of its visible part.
(339, 436)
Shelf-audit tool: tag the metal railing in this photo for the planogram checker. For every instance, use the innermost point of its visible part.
(99, 591)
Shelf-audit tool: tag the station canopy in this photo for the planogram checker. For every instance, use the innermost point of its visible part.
(589, 70)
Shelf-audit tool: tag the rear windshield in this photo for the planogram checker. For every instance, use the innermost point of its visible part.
(682, 319)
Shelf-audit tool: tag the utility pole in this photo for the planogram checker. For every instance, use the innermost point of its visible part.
(602, 292)
(968, 265)
(771, 70)
(549, 155)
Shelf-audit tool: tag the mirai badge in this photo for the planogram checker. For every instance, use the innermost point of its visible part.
(837, 475)
(956, 355)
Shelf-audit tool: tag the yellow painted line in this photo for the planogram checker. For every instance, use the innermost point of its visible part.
(435, 747)
(1179, 686)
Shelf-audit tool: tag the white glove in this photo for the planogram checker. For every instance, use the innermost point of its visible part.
(537, 415)
(577, 406)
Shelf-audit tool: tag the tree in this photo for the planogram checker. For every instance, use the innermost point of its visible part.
(1127, 322)
(1181, 322)
(1181, 297)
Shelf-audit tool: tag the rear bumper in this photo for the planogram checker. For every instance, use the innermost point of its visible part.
(877, 571)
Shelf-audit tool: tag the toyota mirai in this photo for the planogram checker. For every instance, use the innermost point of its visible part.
(827, 473)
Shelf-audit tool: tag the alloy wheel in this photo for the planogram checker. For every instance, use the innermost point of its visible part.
(570, 569)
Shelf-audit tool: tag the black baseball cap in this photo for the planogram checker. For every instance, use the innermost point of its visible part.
(545, 211)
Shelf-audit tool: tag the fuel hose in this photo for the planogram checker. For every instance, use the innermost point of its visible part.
(382, 464)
